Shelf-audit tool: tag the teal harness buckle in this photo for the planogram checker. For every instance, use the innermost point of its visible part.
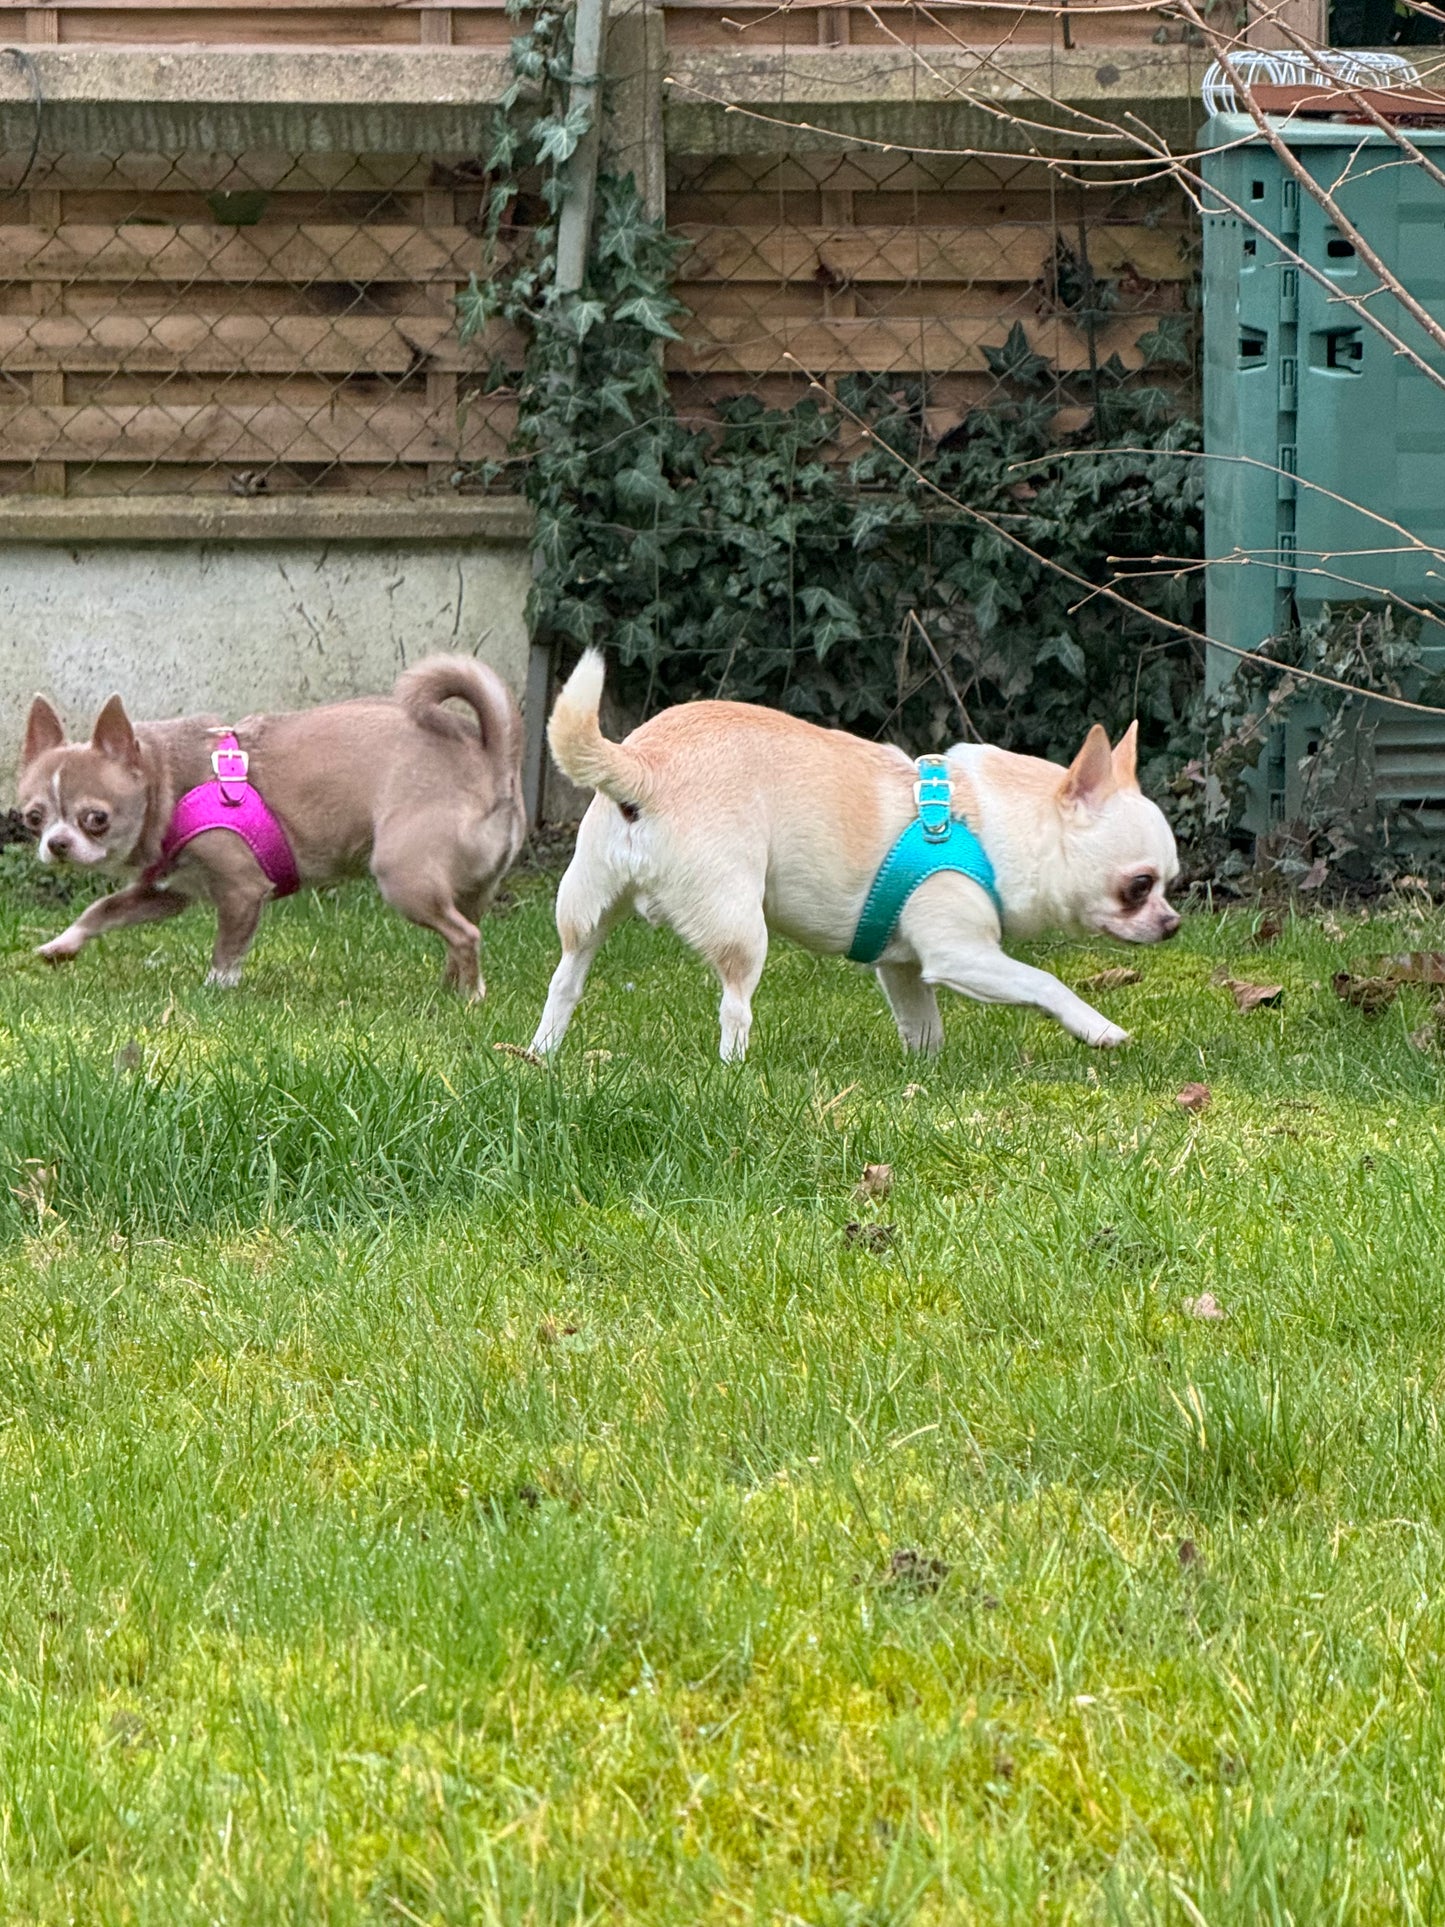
(935, 840)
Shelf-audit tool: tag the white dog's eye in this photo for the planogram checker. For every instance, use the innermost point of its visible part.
(1136, 891)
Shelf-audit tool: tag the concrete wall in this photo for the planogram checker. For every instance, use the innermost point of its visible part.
(240, 626)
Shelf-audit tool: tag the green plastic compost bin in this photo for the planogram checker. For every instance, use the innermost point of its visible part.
(1318, 434)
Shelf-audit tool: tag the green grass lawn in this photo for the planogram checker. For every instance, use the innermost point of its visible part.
(435, 1488)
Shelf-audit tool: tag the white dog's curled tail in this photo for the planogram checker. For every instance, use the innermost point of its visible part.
(581, 751)
(423, 689)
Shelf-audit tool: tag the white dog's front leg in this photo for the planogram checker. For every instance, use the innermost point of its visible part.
(914, 1006)
(990, 975)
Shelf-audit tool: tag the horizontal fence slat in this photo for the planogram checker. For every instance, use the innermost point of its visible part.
(246, 344)
(270, 6)
(875, 345)
(193, 251)
(213, 432)
(1006, 252)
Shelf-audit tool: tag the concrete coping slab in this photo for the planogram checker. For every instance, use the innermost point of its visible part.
(350, 99)
(504, 520)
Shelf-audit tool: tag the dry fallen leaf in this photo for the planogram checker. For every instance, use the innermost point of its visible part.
(1431, 1034)
(1369, 994)
(876, 1181)
(549, 1331)
(1194, 1097)
(1188, 1552)
(1114, 978)
(1252, 996)
(129, 1057)
(38, 1180)
(871, 1237)
(910, 1091)
(1268, 930)
(916, 1571)
(1206, 1305)
(1412, 967)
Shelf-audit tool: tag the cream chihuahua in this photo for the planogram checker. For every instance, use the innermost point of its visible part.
(728, 822)
(431, 802)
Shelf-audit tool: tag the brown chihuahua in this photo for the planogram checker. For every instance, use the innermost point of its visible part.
(430, 802)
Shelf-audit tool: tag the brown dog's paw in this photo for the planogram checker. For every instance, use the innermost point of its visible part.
(61, 949)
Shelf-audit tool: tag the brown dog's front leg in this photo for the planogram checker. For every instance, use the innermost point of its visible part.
(238, 911)
(137, 903)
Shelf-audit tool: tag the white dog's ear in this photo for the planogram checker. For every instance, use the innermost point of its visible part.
(1126, 758)
(1091, 774)
(113, 735)
(43, 730)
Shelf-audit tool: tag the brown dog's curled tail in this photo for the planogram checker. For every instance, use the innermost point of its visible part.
(581, 751)
(423, 689)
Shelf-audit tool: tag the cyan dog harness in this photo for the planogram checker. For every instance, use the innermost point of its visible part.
(935, 840)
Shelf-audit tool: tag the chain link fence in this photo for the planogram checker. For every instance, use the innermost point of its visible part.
(961, 276)
(244, 324)
(272, 323)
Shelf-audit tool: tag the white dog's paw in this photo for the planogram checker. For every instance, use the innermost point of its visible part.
(62, 948)
(1107, 1037)
(226, 979)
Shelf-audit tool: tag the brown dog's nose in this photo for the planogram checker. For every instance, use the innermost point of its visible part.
(59, 844)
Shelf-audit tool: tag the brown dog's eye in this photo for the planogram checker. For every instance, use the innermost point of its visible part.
(95, 822)
(34, 816)
(1136, 891)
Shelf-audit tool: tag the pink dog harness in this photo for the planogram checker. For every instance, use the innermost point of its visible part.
(230, 803)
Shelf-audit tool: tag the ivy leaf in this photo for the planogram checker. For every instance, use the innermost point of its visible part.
(1017, 362)
(476, 304)
(558, 140)
(642, 488)
(835, 619)
(1168, 345)
(987, 603)
(651, 311)
(583, 316)
(1067, 653)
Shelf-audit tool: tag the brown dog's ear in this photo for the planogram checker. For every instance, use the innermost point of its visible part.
(1091, 774)
(1126, 758)
(43, 730)
(113, 735)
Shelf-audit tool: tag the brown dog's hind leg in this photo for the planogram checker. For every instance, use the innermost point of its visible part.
(427, 901)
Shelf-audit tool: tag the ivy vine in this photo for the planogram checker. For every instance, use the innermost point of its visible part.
(747, 556)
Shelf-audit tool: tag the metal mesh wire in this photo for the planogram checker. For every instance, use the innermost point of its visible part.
(911, 268)
(827, 244)
(245, 323)
(268, 323)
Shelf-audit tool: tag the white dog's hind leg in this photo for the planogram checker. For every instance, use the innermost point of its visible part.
(739, 963)
(984, 972)
(590, 903)
(914, 1006)
(737, 950)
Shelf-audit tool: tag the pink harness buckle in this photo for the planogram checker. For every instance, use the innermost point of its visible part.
(232, 803)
